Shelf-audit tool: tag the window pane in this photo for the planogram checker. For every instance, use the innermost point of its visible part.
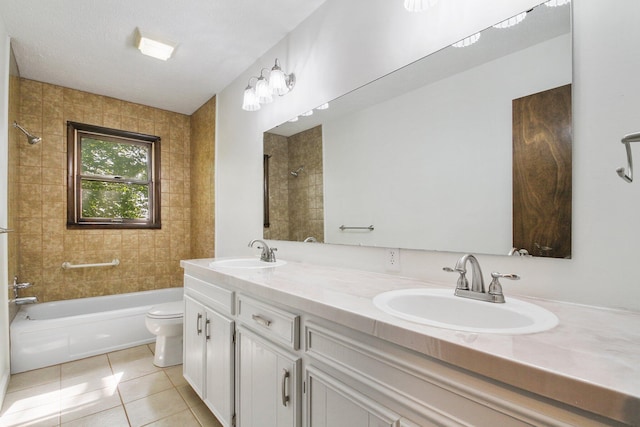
(107, 158)
(114, 200)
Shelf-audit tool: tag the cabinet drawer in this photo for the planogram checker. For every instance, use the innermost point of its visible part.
(209, 294)
(271, 322)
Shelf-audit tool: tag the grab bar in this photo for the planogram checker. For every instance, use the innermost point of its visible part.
(344, 227)
(632, 137)
(68, 265)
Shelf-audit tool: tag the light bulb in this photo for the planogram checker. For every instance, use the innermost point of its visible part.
(418, 5)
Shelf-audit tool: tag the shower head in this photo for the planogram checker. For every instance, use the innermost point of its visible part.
(296, 172)
(32, 139)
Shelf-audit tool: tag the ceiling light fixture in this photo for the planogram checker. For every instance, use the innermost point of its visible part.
(555, 3)
(418, 5)
(152, 46)
(513, 21)
(468, 41)
(276, 82)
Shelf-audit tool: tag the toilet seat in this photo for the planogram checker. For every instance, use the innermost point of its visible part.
(168, 310)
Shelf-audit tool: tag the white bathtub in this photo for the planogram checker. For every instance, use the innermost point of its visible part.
(60, 331)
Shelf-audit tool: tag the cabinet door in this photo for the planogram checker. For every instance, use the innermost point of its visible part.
(219, 380)
(268, 377)
(193, 366)
(331, 403)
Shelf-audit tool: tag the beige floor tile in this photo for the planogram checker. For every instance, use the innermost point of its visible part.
(129, 354)
(96, 365)
(82, 405)
(114, 417)
(182, 419)
(189, 395)
(155, 407)
(175, 375)
(204, 416)
(89, 382)
(134, 368)
(144, 386)
(152, 347)
(41, 416)
(33, 378)
(33, 397)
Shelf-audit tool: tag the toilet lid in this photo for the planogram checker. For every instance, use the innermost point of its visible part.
(167, 310)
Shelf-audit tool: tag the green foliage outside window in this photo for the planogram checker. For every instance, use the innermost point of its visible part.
(128, 164)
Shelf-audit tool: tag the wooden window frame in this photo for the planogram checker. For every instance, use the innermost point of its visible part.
(75, 131)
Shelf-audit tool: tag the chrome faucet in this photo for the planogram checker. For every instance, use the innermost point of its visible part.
(477, 290)
(267, 254)
(22, 300)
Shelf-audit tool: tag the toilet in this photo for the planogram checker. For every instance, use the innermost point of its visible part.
(165, 321)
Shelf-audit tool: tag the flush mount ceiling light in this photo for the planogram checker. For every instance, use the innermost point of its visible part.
(275, 82)
(555, 3)
(152, 46)
(418, 5)
(468, 41)
(514, 20)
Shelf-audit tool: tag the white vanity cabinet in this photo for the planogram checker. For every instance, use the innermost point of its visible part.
(267, 366)
(331, 403)
(208, 346)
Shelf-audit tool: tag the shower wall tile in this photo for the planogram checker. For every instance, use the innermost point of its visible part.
(197, 184)
(149, 258)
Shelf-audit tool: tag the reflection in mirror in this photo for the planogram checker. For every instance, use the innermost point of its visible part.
(423, 154)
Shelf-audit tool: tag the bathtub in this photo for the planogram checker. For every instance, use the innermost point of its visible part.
(60, 331)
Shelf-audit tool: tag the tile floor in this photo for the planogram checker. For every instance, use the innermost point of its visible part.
(122, 388)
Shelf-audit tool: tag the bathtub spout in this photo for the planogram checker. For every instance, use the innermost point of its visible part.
(26, 300)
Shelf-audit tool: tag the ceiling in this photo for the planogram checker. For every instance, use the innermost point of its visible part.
(89, 45)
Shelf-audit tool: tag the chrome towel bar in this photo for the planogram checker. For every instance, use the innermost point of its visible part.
(344, 227)
(5, 230)
(68, 265)
(628, 174)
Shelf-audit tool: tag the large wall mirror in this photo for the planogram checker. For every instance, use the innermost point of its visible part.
(447, 153)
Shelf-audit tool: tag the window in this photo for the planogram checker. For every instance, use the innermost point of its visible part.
(113, 178)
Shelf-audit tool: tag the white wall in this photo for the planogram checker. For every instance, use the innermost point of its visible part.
(4, 149)
(346, 44)
(452, 191)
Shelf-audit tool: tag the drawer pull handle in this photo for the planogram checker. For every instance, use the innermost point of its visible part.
(199, 324)
(261, 320)
(206, 328)
(285, 396)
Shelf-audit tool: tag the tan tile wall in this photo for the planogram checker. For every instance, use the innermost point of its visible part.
(306, 200)
(203, 131)
(149, 258)
(277, 147)
(296, 204)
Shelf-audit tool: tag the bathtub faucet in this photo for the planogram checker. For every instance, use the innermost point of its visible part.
(22, 300)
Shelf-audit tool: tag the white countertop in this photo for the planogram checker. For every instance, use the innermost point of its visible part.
(591, 360)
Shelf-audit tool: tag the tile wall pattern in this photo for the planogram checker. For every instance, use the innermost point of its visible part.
(203, 130)
(277, 147)
(296, 204)
(149, 258)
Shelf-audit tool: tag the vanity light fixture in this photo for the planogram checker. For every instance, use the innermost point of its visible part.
(250, 102)
(418, 5)
(555, 3)
(323, 106)
(152, 46)
(295, 119)
(275, 82)
(307, 114)
(467, 41)
(513, 21)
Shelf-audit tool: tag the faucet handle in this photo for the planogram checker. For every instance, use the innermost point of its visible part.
(463, 283)
(495, 288)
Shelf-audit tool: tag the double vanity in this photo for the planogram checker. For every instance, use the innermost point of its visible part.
(294, 344)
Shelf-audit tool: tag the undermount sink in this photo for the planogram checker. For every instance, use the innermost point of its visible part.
(440, 308)
(245, 263)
